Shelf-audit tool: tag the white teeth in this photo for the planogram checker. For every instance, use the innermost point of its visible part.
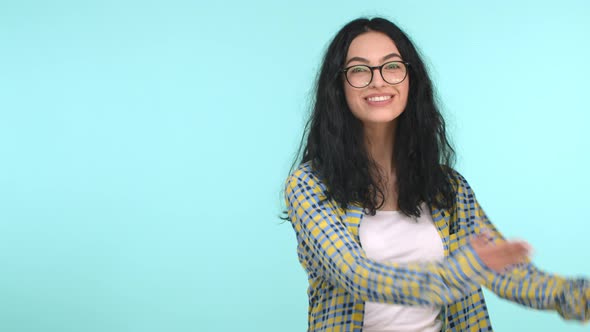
(379, 98)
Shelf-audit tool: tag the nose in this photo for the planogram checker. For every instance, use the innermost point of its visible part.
(377, 80)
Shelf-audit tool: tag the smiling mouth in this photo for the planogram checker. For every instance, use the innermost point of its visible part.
(378, 98)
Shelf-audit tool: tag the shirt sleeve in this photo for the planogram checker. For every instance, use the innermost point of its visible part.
(527, 285)
(345, 264)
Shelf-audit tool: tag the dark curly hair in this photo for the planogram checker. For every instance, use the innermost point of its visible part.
(333, 140)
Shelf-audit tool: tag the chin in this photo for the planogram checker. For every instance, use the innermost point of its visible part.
(381, 118)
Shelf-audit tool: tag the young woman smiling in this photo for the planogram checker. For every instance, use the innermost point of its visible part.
(391, 236)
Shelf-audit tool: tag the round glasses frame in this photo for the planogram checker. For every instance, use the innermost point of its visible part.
(372, 69)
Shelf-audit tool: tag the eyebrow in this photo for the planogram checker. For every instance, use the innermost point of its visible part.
(387, 57)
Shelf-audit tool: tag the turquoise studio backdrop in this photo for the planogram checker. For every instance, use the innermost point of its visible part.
(144, 144)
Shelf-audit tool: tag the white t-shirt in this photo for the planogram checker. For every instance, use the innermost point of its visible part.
(391, 236)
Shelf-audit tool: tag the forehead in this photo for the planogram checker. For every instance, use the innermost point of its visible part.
(372, 46)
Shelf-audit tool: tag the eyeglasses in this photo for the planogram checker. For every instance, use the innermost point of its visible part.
(360, 76)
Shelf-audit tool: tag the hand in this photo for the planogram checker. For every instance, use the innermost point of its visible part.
(500, 256)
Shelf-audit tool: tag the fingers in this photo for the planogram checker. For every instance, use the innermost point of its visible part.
(513, 252)
(500, 256)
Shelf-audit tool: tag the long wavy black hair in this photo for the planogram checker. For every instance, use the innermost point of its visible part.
(334, 143)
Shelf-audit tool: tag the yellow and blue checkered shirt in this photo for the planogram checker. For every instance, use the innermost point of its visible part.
(341, 277)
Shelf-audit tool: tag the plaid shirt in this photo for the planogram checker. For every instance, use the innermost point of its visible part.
(341, 277)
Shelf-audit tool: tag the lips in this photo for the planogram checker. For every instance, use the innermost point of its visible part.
(379, 99)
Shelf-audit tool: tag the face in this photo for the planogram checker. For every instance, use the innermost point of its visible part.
(379, 102)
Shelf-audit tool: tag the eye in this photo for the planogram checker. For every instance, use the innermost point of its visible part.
(392, 66)
(358, 69)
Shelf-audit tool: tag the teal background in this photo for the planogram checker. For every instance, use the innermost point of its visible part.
(144, 144)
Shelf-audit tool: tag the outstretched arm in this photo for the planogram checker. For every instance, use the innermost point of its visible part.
(529, 286)
(344, 263)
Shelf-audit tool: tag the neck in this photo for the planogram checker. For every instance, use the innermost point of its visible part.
(380, 142)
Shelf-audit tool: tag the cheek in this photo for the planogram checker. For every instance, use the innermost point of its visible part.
(404, 93)
(352, 98)
(406, 89)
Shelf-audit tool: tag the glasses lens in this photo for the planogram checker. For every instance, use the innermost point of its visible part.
(359, 76)
(394, 72)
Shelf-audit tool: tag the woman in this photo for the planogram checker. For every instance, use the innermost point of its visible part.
(392, 238)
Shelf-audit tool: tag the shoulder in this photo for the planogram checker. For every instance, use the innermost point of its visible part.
(305, 177)
(304, 170)
(303, 188)
(458, 181)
